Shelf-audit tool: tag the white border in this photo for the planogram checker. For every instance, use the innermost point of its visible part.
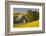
(25, 29)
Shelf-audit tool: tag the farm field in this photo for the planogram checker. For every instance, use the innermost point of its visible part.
(28, 24)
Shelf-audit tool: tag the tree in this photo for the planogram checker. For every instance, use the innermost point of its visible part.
(33, 15)
(30, 14)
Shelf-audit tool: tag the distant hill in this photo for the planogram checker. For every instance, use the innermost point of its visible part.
(17, 14)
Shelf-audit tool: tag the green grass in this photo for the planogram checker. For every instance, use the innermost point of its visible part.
(28, 24)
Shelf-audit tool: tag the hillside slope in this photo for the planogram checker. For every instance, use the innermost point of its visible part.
(28, 24)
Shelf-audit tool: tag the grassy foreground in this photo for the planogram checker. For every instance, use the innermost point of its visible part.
(28, 24)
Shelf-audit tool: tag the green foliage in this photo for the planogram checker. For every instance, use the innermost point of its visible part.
(33, 15)
(14, 19)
